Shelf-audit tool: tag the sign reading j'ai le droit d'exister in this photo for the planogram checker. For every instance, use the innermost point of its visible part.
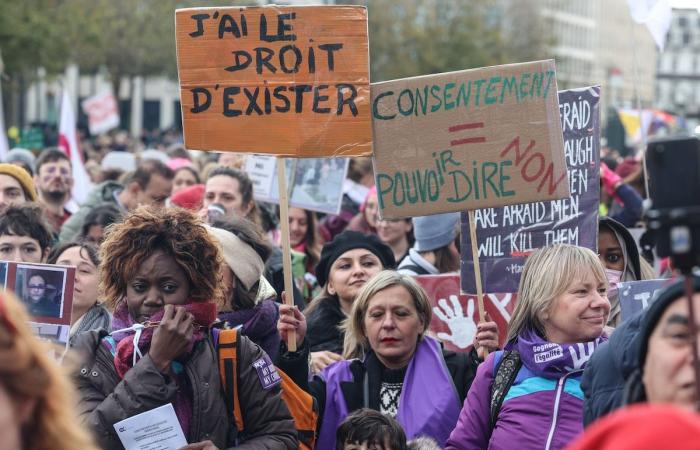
(289, 81)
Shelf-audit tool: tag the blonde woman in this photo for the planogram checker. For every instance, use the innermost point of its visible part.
(557, 324)
(36, 399)
(393, 367)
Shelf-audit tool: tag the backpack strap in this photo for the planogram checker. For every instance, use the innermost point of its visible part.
(504, 377)
(228, 349)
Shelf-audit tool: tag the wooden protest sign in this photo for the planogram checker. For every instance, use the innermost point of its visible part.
(467, 140)
(507, 235)
(289, 81)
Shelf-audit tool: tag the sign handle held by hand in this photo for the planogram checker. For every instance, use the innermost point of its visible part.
(477, 270)
(286, 249)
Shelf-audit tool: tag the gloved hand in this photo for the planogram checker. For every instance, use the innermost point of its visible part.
(610, 179)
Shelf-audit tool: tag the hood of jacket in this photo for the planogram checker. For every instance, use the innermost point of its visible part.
(258, 323)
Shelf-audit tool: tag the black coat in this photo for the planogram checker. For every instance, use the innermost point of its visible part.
(612, 363)
(323, 332)
(106, 400)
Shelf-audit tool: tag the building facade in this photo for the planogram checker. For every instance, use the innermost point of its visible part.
(678, 72)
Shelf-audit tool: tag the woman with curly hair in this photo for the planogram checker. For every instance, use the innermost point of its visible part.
(35, 396)
(160, 274)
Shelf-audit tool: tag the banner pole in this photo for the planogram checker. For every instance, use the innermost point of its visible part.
(286, 249)
(477, 270)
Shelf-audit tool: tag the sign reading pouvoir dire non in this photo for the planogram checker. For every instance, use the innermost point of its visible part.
(467, 140)
(289, 81)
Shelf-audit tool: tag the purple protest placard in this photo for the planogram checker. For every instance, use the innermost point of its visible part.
(637, 295)
(507, 235)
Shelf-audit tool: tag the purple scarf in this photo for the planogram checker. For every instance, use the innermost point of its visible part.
(550, 360)
(428, 405)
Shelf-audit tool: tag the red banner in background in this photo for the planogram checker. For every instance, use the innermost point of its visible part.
(455, 315)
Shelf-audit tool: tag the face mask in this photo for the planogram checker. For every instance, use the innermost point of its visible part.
(613, 277)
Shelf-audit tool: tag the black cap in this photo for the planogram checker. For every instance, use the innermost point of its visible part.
(350, 240)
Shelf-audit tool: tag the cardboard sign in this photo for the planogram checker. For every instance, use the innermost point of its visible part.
(455, 315)
(102, 112)
(46, 291)
(290, 81)
(636, 296)
(466, 140)
(506, 236)
(317, 183)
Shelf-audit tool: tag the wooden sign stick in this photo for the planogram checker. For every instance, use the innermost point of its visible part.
(477, 270)
(286, 249)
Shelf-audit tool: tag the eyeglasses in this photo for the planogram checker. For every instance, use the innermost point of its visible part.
(37, 286)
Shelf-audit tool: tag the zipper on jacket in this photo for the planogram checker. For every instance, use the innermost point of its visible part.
(560, 390)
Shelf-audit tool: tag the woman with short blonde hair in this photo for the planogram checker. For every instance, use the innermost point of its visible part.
(392, 364)
(529, 396)
(356, 342)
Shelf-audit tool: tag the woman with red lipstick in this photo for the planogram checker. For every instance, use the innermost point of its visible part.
(556, 326)
(160, 274)
(394, 368)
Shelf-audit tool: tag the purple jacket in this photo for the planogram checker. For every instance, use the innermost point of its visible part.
(537, 412)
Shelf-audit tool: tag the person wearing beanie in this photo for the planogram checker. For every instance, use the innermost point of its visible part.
(435, 249)
(249, 301)
(21, 157)
(189, 197)
(366, 220)
(665, 359)
(346, 264)
(16, 186)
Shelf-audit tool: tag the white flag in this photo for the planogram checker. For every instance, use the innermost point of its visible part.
(4, 145)
(68, 141)
(655, 14)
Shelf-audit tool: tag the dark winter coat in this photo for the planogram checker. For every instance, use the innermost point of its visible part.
(612, 363)
(106, 400)
(323, 321)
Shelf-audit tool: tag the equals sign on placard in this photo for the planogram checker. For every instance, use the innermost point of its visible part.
(467, 126)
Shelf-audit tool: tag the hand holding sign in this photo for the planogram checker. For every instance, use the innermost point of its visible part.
(462, 328)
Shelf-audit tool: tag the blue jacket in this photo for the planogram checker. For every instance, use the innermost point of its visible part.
(605, 374)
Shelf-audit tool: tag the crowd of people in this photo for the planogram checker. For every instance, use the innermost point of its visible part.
(172, 251)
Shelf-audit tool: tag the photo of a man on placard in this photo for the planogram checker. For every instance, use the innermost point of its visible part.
(41, 290)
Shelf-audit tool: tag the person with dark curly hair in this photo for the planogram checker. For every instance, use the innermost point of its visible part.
(160, 274)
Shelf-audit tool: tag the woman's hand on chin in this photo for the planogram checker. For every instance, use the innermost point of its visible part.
(172, 336)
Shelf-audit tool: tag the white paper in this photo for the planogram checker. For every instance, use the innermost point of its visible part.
(157, 429)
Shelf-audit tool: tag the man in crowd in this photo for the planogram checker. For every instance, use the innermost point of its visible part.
(24, 236)
(16, 186)
(150, 184)
(54, 181)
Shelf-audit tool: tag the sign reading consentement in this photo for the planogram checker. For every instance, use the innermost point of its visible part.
(468, 140)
